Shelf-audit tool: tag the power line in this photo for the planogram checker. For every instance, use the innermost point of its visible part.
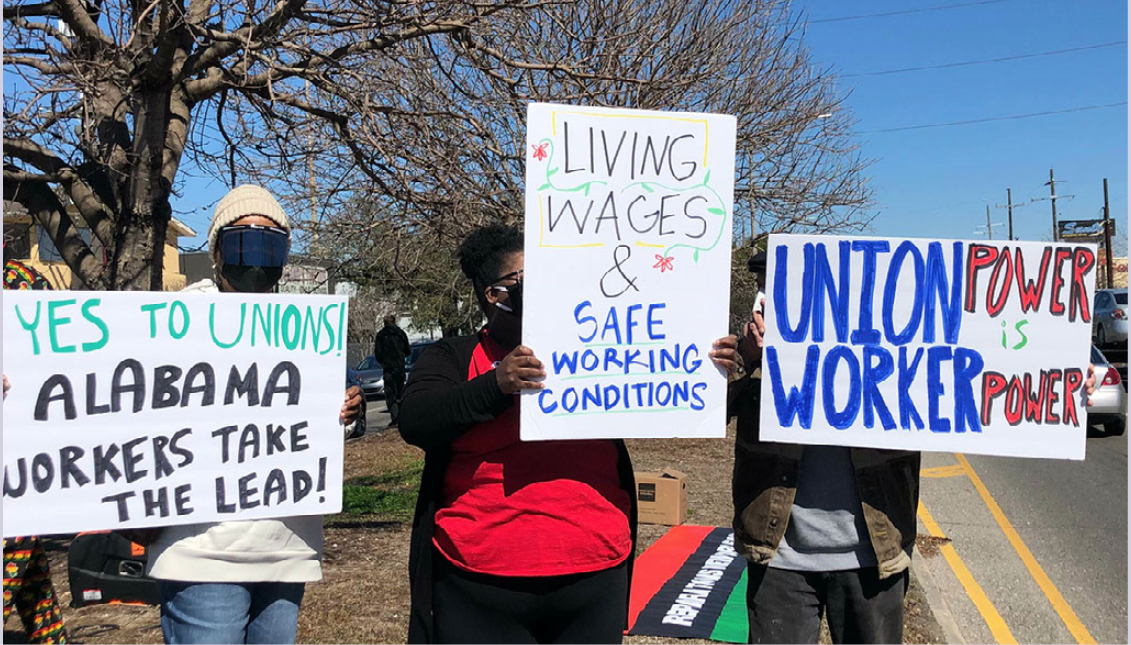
(993, 118)
(984, 60)
(907, 11)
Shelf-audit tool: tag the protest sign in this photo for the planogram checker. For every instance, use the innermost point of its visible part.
(154, 409)
(628, 226)
(941, 345)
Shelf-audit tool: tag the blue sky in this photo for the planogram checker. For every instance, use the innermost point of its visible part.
(935, 182)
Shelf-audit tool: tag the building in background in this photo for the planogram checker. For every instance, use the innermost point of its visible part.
(27, 241)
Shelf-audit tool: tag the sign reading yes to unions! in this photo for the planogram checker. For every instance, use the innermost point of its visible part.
(940, 345)
(153, 409)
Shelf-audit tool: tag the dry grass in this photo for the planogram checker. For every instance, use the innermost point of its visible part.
(363, 596)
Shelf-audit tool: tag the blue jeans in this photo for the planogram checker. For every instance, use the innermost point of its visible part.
(229, 612)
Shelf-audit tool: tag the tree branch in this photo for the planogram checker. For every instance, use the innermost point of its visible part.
(42, 204)
(34, 9)
(75, 15)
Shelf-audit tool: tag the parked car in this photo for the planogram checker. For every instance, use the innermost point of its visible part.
(417, 349)
(353, 379)
(1109, 317)
(1109, 403)
(371, 378)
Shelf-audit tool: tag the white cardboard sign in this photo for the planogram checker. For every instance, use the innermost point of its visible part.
(938, 345)
(154, 409)
(628, 229)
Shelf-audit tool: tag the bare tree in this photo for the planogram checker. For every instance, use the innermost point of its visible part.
(111, 95)
(451, 156)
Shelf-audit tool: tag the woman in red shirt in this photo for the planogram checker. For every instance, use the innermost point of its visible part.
(513, 541)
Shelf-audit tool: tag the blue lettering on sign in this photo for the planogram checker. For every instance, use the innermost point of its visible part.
(951, 305)
(874, 374)
(895, 271)
(585, 319)
(935, 388)
(908, 414)
(781, 309)
(798, 403)
(865, 333)
(841, 419)
(546, 409)
(838, 297)
(968, 365)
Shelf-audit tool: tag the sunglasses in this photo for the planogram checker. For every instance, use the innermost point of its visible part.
(254, 245)
(513, 275)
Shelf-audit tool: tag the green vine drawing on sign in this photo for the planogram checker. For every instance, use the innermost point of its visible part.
(719, 211)
(550, 171)
(545, 149)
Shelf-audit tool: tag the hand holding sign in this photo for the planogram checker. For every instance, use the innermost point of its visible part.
(725, 353)
(517, 371)
(351, 409)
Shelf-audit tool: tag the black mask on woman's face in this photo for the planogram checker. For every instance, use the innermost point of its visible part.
(249, 279)
(514, 307)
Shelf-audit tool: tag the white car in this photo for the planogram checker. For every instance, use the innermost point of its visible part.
(1109, 403)
(1109, 317)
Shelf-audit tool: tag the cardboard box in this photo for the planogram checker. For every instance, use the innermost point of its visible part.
(661, 498)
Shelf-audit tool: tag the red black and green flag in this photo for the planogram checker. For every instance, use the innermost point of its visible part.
(690, 584)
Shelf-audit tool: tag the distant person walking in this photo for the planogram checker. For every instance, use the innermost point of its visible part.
(391, 348)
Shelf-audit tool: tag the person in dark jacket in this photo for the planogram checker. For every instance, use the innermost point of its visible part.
(391, 348)
(513, 541)
(825, 529)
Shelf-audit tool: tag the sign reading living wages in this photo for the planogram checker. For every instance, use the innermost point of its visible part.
(628, 228)
(941, 345)
(154, 409)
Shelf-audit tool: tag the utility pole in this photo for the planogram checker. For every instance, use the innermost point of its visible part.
(1009, 205)
(1107, 237)
(1052, 192)
(989, 225)
(1053, 197)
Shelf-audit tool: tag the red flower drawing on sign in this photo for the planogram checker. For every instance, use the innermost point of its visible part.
(664, 264)
(540, 150)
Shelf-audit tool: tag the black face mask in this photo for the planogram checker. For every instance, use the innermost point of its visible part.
(515, 306)
(249, 279)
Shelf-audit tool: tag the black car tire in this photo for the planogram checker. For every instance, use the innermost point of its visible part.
(1115, 428)
(359, 429)
(1101, 337)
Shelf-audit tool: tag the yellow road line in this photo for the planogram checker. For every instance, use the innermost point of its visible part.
(1071, 621)
(953, 470)
(989, 613)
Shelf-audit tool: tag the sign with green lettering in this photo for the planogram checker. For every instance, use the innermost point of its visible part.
(153, 409)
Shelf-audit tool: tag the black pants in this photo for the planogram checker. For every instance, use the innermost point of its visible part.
(786, 606)
(475, 608)
(394, 388)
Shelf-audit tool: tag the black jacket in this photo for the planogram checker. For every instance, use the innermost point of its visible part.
(439, 405)
(391, 348)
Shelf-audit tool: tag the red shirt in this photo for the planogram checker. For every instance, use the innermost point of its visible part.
(541, 508)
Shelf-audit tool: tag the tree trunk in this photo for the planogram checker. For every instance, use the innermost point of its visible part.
(139, 266)
(145, 218)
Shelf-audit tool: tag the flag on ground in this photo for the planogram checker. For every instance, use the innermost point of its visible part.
(690, 584)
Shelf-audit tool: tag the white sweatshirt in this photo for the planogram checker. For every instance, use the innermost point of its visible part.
(288, 549)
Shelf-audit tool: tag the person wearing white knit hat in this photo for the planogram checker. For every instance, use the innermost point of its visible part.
(241, 581)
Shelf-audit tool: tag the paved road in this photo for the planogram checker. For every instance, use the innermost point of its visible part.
(376, 416)
(1043, 542)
